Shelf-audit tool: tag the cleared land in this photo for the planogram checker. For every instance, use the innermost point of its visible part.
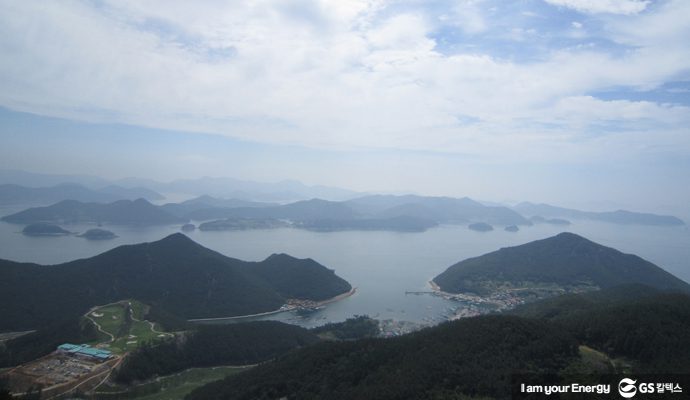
(122, 329)
(57, 374)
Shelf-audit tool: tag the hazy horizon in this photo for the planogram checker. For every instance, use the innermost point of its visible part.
(569, 102)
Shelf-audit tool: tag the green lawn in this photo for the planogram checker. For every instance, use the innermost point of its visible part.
(111, 319)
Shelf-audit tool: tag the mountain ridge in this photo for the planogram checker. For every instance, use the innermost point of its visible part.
(617, 217)
(175, 274)
(14, 194)
(120, 212)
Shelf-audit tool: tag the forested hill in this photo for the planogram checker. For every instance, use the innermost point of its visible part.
(174, 274)
(299, 278)
(565, 259)
(213, 345)
(636, 322)
(474, 357)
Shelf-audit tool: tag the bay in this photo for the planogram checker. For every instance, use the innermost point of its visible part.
(382, 265)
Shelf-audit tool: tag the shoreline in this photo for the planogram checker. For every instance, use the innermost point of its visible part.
(337, 298)
(283, 308)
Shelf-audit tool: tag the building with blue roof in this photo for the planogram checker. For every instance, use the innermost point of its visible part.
(84, 350)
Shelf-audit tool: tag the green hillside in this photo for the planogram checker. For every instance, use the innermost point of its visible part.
(174, 274)
(474, 356)
(212, 345)
(633, 321)
(299, 278)
(565, 260)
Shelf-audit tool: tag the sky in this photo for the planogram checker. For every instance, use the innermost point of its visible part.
(573, 102)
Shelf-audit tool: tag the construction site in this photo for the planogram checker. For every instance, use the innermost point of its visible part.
(61, 371)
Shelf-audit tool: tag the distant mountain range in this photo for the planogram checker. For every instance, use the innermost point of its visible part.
(396, 213)
(216, 195)
(174, 274)
(298, 211)
(121, 212)
(409, 213)
(377, 212)
(283, 191)
(415, 212)
(439, 209)
(616, 217)
(11, 194)
(565, 260)
(207, 207)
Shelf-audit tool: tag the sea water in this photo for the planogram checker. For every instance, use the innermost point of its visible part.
(382, 265)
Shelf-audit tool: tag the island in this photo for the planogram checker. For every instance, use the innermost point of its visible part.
(98, 234)
(481, 227)
(240, 224)
(538, 219)
(44, 229)
(511, 228)
(402, 223)
(558, 221)
(188, 227)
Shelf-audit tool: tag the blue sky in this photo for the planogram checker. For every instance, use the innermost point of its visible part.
(569, 101)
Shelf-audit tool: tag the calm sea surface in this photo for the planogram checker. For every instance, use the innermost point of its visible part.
(381, 265)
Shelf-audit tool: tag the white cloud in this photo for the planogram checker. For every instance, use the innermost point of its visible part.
(328, 74)
(625, 7)
(467, 16)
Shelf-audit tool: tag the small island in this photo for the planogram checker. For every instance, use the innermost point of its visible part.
(558, 221)
(188, 227)
(538, 219)
(44, 229)
(511, 228)
(98, 234)
(481, 227)
(239, 224)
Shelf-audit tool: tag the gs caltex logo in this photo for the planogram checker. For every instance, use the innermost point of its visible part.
(636, 387)
(628, 388)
